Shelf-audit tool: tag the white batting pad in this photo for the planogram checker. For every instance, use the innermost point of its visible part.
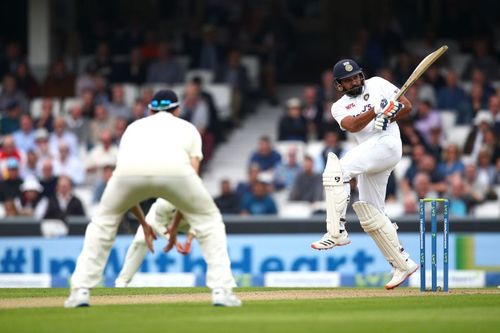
(336, 197)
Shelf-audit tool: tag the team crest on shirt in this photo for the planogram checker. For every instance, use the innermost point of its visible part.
(366, 96)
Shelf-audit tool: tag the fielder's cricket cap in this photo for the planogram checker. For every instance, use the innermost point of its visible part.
(345, 68)
(164, 100)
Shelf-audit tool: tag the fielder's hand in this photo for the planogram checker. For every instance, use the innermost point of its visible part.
(149, 236)
(389, 109)
(172, 238)
(381, 123)
(186, 247)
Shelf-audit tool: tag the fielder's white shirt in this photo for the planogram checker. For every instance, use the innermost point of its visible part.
(375, 89)
(160, 144)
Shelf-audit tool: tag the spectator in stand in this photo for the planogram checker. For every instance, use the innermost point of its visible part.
(107, 168)
(423, 187)
(10, 94)
(424, 164)
(29, 167)
(10, 209)
(330, 144)
(106, 150)
(86, 81)
(285, 173)
(451, 162)
(42, 149)
(453, 97)
(326, 90)
(118, 107)
(59, 83)
(494, 109)
(47, 178)
(101, 122)
(482, 59)
(410, 137)
(25, 136)
(11, 60)
(147, 95)
(88, 105)
(475, 102)
(234, 74)
(165, 69)
(214, 124)
(425, 92)
(195, 110)
(485, 170)
(26, 82)
(477, 191)
(10, 185)
(427, 119)
(138, 110)
(11, 121)
(259, 202)
(102, 62)
(475, 139)
(68, 165)
(61, 134)
(434, 78)
(46, 118)
(458, 196)
(78, 125)
(479, 78)
(293, 125)
(265, 157)
(120, 127)
(208, 53)
(496, 179)
(31, 203)
(435, 146)
(133, 70)
(312, 112)
(101, 94)
(245, 188)
(308, 184)
(9, 150)
(228, 202)
(64, 203)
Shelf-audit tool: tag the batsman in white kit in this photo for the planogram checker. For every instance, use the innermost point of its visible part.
(159, 156)
(368, 110)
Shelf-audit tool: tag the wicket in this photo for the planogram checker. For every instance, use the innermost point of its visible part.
(434, 223)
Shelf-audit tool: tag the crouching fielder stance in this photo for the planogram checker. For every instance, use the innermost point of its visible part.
(160, 218)
(159, 156)
(368, 111)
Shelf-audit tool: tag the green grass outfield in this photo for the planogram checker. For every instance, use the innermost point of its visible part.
(454, 312)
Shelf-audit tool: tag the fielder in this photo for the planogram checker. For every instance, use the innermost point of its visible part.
(159, 156)
(368, 111)
(159, 216)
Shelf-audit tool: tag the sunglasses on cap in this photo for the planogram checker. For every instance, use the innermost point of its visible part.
(164, 104)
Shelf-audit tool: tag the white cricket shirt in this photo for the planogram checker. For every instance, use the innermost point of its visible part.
(160, 144)
(376, 89)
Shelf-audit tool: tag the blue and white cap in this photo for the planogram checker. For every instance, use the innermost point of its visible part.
(164, 100)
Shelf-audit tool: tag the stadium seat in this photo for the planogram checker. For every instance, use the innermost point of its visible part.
(130, 92)
(283, 146)
(448, 118)
(252, 65)
(401, 167)
(222, 98)
(36, 107)
(458, 61)
(295, 209)
(207, 76)
(394, 209)
(488, 209)
(68, 103)
(458, 135)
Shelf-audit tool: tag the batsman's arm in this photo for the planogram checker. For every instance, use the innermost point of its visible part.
(358, 122)
(404, 111)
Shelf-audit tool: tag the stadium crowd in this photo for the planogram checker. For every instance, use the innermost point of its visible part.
(62, 133)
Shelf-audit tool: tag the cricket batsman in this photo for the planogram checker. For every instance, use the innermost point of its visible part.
(368, 110)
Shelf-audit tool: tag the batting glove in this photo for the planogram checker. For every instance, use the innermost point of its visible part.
(381, 122)
(389, 109)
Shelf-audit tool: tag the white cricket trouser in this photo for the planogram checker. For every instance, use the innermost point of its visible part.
(185, 192)
(372, 162)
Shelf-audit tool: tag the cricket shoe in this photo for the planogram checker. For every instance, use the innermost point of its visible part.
(224, 297)
(399, 276)
(328, 242)
(78, 298)
(120, 283)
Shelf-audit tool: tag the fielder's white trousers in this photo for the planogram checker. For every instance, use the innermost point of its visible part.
(187, 193)
(372, 162)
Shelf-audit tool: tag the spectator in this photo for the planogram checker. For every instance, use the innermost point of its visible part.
(59, 83)
(308, 185)
(475, 139)
(47, 178)
(9, 150)
(24, 138)
(496, 179)
(228, 201)
(265, 157)
(138, 111)
(477, 191)
(117, 107)
(453, 97)
(42, 149)
(31, 203)
(11, 60)
(10, 186)
(427, 119)
(88, 105)
(133, 70)
(214, 124)
(26, 82)
(120, 127)
(245, 188)
(61, 134)
(86, 81)
(312, 112)
(68, 165)
(475, 101)
(108, 167)
(101, 122)
(46, 118)
(208, 53)
(10, 208)
(29, 169)
(164, 69)
(423, 186)
(101, 94)
(11, 95)
(434, 146)
(285, 174)
(494, 109)
(293, 125)
(101, 61)
(330, 145)
(424, 164)
(410, 137)
(259, 202)
(482, 59)
(479, 78)
(11, 122)
(64, 203)
(106, 150)
(78, 124)
(485, 170)
(458, 196)
(451, 163)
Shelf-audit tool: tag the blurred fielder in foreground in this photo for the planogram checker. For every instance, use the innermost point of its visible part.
(368, 111)
(160, 218)
(159, 156)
